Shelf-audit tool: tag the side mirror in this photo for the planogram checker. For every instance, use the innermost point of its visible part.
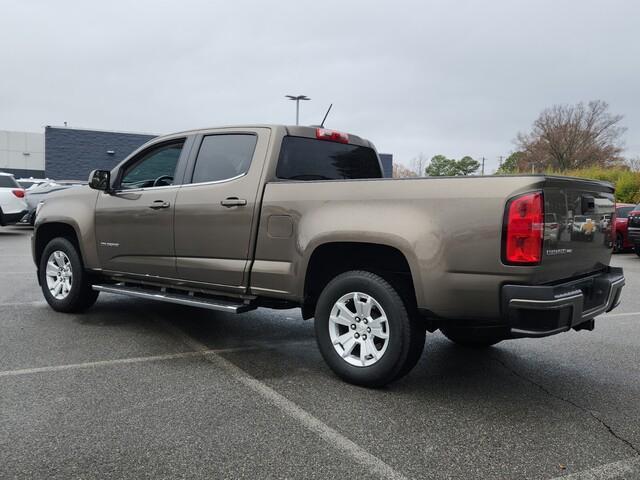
(100, 180)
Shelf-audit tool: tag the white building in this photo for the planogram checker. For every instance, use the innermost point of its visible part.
(22, 153)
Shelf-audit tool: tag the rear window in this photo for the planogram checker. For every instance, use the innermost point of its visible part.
(310, 159)
(623, 212)
(7, 181)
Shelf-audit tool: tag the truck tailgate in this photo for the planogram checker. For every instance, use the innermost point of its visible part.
(577, 228)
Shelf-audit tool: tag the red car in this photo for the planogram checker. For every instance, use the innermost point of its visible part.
(622, 217)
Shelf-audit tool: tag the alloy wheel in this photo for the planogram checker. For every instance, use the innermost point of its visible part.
(359, 329)
(59, 275)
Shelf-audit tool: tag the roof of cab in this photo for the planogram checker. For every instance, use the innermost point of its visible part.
(294, 130)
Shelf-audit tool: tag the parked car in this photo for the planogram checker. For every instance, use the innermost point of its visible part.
(622, 242)
(39, 192)
(237, 218)
(583, 228)
(12, 203)
(633, 228)
(30, 182)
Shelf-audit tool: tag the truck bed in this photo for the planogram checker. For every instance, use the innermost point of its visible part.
(449, 229)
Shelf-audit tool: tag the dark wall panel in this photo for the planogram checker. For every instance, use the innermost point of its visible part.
(70, 154)
(387, 164)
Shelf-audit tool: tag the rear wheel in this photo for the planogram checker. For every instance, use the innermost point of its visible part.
(65, 284)
(636, 248)
(471, 338)
(365, 331)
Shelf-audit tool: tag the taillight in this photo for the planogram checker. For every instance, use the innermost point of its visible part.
(18, 193)
(524, 226)
(331, 135)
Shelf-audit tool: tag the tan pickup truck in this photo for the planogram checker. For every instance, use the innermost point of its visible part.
(237, 218)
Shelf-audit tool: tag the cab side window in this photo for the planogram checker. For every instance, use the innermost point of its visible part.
(153, 168)
(222, 157)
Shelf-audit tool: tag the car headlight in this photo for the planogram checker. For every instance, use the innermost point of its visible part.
(38, 207)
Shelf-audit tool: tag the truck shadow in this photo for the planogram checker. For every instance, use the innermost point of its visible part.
(278, 346)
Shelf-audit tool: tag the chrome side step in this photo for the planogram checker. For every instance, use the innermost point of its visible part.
(181, 299)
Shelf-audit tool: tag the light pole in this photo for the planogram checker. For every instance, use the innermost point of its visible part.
(297, 99)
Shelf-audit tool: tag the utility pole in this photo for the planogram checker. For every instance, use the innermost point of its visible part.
(297, 99)
(482, 165)
(500, 159)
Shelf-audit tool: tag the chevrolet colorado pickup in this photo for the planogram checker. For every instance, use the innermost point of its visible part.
(237, 218)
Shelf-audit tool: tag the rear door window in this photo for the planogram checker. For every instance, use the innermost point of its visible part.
(7, 181)
(310, 159)
(222, 157)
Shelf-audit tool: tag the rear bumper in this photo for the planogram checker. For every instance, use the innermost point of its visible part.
(11, 218)
(538, 311)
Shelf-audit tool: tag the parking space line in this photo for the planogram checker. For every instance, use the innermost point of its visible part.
(23, 304)
(375, 465)
(151, 358)
(609, 471)
(628, 314)
(102, 363)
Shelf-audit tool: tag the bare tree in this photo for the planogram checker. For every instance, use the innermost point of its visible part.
(419, 164)
(633, 164)
(572, 136)
(400, 171)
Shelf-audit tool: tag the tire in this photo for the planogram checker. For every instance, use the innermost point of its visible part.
(471, 338)
(389, 315)
(75, 292)
(618, 247)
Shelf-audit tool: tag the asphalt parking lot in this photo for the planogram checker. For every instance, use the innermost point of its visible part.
(137, 389)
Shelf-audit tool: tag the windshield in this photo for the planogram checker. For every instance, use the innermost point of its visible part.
(623, 212)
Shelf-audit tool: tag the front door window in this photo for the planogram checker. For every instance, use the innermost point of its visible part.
(155, 168)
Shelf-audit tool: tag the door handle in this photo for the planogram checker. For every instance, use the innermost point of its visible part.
(158, 204)
(233, 202)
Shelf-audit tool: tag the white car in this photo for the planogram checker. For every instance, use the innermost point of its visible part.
(12, 203)
(28, 183)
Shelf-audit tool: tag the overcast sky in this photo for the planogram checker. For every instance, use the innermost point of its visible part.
(437, 77)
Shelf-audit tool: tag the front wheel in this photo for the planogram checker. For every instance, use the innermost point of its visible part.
(636, 248)
(365, 331)
(65, 284)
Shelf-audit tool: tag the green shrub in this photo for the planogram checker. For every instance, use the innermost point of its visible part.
(627, 183)
(628, 188)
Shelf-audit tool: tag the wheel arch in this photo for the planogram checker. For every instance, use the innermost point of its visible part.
(48, 231)
(332, 258)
